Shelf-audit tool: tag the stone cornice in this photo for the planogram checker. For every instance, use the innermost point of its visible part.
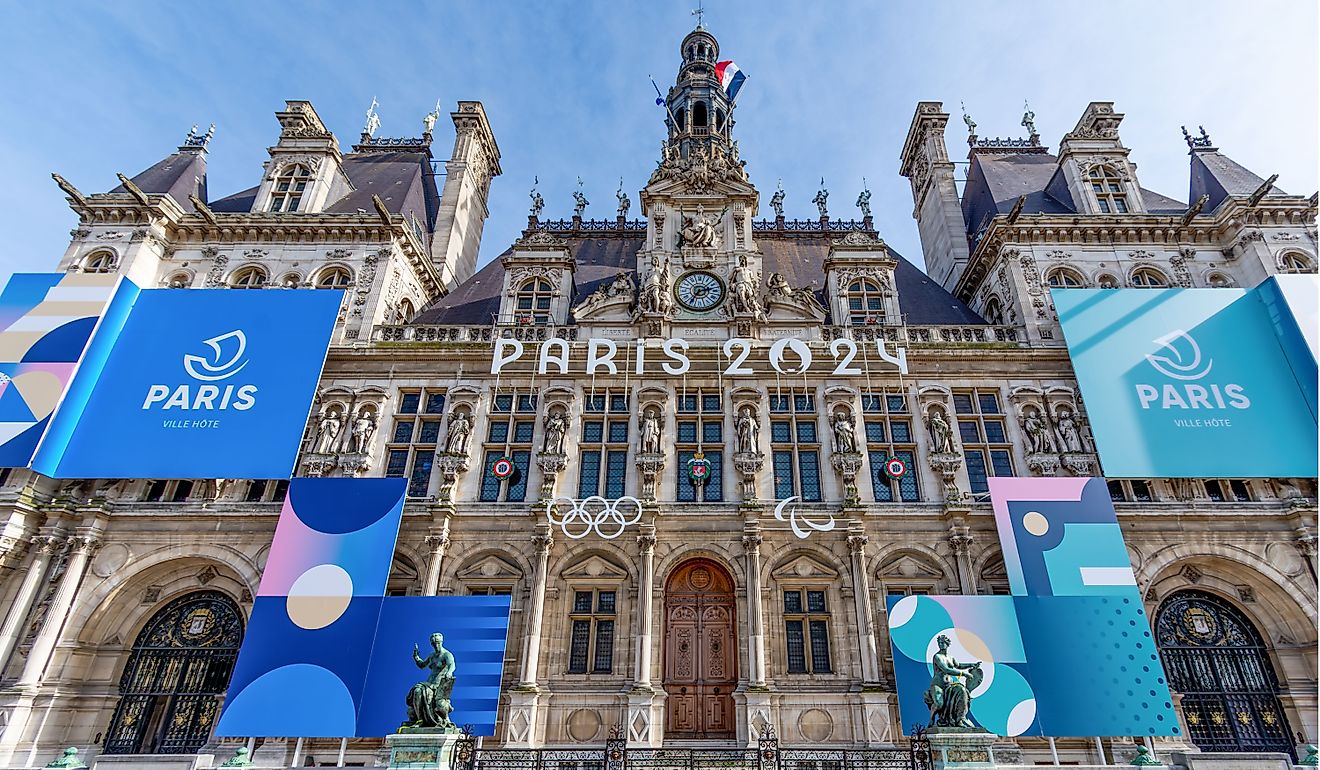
(1038, 229)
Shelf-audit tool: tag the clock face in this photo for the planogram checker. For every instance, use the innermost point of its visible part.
(699, 290)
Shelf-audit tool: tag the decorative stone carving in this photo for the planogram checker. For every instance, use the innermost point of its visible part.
(748, 464)
(556, 428)
(316, 466)
(215, 277)
(655, 297)
(946, 464)
(459, 434)
(649, 465)
(700, 231)
(779, 292)
(702, 168)
(1080, 465)
(1069, 433)
(847, 464)
(551, 465)
(1043, 464)
(941, 433)
(621, 293)
(449, 466)
(327, 431)
(844, 431)
(1037, 428)
(743, 283)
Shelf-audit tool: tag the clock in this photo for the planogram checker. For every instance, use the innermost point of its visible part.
(699, 291)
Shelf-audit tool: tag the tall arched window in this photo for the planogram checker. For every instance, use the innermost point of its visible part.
(287, 193)
(1063, 277)
(248, 278)
(994, 311)
(405, 310)
(1215, 657)
(1293, 262)
(865, 302)
(1149, 278)
(532, 302)
(334, 278)
(1108, 189)
(100, 262)
(171, 689)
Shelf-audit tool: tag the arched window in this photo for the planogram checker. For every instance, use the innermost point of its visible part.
(532, 302)
(248, 278)
(1215, 657)
(1148, 278)
(1108, 189)
(1063, 277)
(334, 278)
(405, 310)
(1294, 262)
(994, 311)
(171, 689)
(100, 262)
(287, 193)
(180, 281)
(699, 115)
(865, 302)
(1219, 281)
(1106, 281)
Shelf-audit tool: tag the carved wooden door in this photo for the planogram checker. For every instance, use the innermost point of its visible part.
(701, 651)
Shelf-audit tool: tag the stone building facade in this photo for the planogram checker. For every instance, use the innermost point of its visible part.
(710, 620)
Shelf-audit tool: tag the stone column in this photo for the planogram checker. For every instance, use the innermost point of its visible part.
(862, 598)
(756, 628)
(438, 542)
(43, 546)
(80, 549)
(645, 589)
(960, 540)
(536, 609)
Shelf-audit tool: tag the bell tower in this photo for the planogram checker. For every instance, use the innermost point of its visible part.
(698, 107)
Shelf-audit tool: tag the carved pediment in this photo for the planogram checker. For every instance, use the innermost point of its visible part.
(804, 567)
(908, 567)
(490, 567)
(595, 567)
(604, 308)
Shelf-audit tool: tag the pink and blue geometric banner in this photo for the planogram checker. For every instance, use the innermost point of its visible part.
(326, 653)
(1070, 653)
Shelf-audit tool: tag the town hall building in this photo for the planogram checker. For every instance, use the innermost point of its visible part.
(775, 420)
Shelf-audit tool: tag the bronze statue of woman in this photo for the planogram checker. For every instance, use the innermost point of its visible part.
(428, 700)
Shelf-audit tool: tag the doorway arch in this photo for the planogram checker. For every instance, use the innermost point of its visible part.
(176, 677)
(1215, 657)
(701, 651)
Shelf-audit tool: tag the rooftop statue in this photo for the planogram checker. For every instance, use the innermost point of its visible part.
(777, 200)
(428, 700)
(822, 195)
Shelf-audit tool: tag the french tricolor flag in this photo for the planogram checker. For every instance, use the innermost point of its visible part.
(731, 78)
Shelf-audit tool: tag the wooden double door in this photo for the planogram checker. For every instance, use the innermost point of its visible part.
(701, 651)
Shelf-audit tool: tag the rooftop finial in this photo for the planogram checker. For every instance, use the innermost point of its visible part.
(196, 140)
(192, 135)
(1028, 119)
(971, 124)
(428, 122)
(1193, 142)
(373, 120)
(699, 13)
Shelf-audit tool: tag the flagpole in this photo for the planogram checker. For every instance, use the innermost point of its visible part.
(659, 97)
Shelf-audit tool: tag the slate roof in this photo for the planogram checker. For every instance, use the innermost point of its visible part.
(799, 258)
(1219, 176)
(403, 180)
(995, 180)
(178, 176)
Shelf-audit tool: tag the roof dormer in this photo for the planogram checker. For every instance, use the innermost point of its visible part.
(1094, 167)
(305, 171)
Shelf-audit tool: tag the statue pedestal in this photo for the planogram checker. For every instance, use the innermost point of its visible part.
(422, 748)
(953, 747)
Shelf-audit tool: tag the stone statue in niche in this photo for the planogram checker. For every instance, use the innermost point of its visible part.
(700, 231)
(556, 427)
(459, 434)
(941, 434)
(327, 432)
(364, 427)
(1037, 429)
(748, 430)
(649, 421)
(1070, 438)
(655, 288)
(845, 434)
(429, 704)
(744, 282)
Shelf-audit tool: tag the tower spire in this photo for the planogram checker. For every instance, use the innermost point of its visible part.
(699, 13)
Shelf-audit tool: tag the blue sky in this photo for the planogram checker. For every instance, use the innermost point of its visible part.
(91, 89)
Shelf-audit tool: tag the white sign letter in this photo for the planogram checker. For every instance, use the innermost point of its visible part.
(674, 348)
(736, 365)
(843, 366)
(497, 363)
(594, 359)
(546, 358)
(641, 356)
(900, 360)
(800, 349)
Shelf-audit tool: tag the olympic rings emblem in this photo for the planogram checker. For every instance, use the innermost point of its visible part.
(579, 518)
